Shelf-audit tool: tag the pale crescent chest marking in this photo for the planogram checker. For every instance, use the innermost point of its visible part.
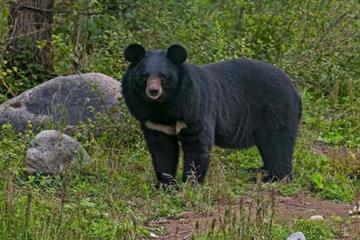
(166, 129)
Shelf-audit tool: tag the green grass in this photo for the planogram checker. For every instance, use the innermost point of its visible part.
(315, 230)
(114, 197)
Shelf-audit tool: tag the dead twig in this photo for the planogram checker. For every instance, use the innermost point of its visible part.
(8, 89)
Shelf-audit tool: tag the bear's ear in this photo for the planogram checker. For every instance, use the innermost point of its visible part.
(134, 53)
(177, 54)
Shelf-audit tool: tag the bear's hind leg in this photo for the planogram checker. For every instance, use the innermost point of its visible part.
(164, 150)
(276, 149)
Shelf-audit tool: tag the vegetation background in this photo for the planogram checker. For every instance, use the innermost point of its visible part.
(317, 42)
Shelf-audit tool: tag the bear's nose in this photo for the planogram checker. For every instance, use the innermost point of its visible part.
(153, 92)
(153, 88)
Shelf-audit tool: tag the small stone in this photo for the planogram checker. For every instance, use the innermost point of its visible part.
(153, 235)
(355, 210)
(317, 218)
(296, 236)
(51, 152)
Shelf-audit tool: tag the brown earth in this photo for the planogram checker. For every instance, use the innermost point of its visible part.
(286, 208)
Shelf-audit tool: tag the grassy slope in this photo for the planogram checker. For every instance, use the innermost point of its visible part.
(114, 197)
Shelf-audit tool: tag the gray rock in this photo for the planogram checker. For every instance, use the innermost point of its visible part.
(52, 152)
(67, 100)
(296, 236)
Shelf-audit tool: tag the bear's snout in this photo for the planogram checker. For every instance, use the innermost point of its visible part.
(153, 88)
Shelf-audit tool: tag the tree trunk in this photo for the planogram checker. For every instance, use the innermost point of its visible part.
(29, 47)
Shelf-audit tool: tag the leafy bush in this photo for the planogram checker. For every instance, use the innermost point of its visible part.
(314, 41)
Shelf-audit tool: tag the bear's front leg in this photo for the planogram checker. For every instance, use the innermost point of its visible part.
(196, 165)
(164, 150)
(196, 157)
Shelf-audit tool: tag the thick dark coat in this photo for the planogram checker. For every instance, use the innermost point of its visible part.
(231, 104)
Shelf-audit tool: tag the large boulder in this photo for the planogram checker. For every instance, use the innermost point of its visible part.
(51, 152)
(67, 100)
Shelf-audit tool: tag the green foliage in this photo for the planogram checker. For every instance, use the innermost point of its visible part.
(315, 230)
(11, 144)
(255, 221)
(316, 42)
(334, 122)
(114, 196)
(323, 165)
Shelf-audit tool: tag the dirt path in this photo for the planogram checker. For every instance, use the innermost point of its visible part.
(305, 206)
(287, 208)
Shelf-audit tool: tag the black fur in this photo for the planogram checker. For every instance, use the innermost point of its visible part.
(231, 104)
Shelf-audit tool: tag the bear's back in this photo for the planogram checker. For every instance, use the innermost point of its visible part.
(253, 80)
(247, 93)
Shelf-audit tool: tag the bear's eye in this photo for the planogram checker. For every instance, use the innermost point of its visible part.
(162, 76)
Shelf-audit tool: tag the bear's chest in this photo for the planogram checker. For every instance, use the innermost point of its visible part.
(162, 115)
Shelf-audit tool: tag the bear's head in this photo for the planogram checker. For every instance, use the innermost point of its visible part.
(155, 75)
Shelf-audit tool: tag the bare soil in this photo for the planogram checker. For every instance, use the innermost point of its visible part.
(287, 209)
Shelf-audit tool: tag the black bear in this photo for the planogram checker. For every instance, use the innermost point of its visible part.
(232, 104)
